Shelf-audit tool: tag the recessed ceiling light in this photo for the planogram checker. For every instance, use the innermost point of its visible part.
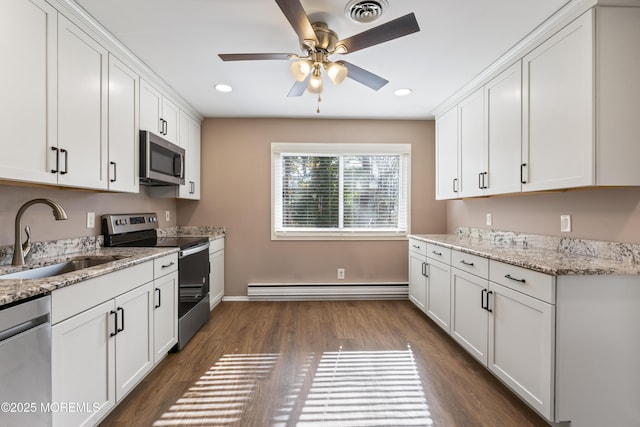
(402, 92)
(223, 88)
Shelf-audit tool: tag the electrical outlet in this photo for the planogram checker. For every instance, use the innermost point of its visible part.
(167, 215)
(489, 219)
(91, 219)
(341, 273)
(565, 223)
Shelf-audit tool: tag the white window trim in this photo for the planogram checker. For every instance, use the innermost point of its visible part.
(332, 148)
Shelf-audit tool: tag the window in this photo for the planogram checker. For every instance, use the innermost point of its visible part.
(336, 191)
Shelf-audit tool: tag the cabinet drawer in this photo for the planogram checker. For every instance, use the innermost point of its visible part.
(470, 263)
(439, 253)
(529, 282)
(165, 265)
(418, 246)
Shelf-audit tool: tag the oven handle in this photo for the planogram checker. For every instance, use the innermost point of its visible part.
(193, 250)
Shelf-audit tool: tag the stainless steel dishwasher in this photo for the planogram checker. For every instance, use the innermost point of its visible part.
(25, 363)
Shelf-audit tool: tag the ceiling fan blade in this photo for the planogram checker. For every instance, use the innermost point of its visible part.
(297, 17)
(298, 88)
(254, 56)
(399, 27)
(363, 76)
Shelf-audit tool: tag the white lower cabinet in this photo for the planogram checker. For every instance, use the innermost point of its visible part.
(417, 273)
(521, 350)
(469, 318)
(216, 275)
(438, 291)
(165, 306)
(133, 338)
(102, 342)
(503, 315)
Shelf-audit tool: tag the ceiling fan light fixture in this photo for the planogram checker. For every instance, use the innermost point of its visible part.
(315, 82)
(336, 72)
(341, 49)
(301, 69)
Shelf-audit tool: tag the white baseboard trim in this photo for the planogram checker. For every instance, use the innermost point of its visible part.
(235, 298)
(326, 291)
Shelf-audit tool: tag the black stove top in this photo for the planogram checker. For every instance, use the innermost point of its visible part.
(140, 230)
(164, 242)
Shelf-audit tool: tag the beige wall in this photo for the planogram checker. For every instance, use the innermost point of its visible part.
(76, 203)
(611, 214)
(236, 188)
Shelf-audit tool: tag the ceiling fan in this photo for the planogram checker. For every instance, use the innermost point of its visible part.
(318, 42)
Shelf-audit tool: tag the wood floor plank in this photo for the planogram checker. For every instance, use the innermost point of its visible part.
(329, 363)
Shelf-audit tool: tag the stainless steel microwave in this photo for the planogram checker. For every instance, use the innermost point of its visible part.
(161, 162)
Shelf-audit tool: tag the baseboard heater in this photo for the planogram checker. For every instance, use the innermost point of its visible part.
(326, 291)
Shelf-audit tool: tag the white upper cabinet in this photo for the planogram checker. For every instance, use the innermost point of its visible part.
(190, 141)
(473, 146)
(82, 108)
(123, 127)
(563, 116)
(27, 81)
(447, 181)
(503, 110)
(558, 150)
(158, 113)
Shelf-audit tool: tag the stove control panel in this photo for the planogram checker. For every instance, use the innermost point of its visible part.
(126, 223)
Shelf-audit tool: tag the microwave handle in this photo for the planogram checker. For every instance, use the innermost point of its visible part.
(178, 165)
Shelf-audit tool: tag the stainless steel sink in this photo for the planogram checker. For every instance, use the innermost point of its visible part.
(74, 264)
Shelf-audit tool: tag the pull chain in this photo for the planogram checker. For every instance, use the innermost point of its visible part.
(319, 100)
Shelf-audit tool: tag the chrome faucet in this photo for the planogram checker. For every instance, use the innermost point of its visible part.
(20, 249)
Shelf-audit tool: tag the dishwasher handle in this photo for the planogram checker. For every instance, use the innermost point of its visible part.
(194, 250)
(22, 327)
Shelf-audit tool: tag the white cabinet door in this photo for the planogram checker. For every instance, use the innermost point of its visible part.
(417, 279)
(83, 363)
(82, 108)
(447, 181)
(438, 298)
(165, 315)
(171, 118)
(473, 146)
(158, 114)
(469, 320)
(558, 109)
(190, 141)
(134, 338)
(216, 278)
(503, 109)
(150, 108)
(123, 127)
(28, 102)
(521, 345)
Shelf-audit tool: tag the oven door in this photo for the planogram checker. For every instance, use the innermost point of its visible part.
(193, 277)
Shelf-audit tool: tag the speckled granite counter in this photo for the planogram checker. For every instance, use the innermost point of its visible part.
(212, 232)
(546, 254)
(12, 290)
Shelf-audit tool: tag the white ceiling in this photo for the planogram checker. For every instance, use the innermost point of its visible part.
(180, 40)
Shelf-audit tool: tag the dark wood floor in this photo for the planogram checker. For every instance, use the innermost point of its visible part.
(329, 363)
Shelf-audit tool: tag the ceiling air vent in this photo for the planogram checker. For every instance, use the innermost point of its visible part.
(365, 11)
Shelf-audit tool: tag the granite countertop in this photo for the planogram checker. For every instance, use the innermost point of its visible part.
(48, 253)
(12, 290)
(563, 257)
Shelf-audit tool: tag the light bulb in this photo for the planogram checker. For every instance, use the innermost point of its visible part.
(300, 69)
(336, 72)
(315, 82)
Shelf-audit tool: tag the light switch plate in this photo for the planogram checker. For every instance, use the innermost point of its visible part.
(91, 219)
(167, 215)
(489, 219)
(565, 223)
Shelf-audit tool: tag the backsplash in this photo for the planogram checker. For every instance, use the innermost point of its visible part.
(625, 252)
(55, 248)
